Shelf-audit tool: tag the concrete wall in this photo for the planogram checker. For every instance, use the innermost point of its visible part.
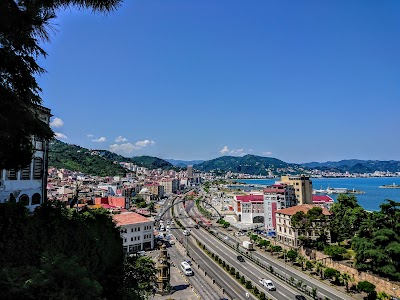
(382, 285)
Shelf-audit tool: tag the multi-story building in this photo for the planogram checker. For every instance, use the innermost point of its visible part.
(171, 185)
(277, 196)
(323, 201)
(28, 184)
(190, 171)
(302, 187)
(136, 230)
(155, 189)
(288, 235)
(249, 208)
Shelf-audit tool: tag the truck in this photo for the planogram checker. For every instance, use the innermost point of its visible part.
(248, 245)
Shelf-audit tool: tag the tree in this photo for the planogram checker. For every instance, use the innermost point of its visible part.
(292, 255)
(319, 267)
(331, 273)
(67, 239)
(301, 260)
(335, 251)
(346, 278)
(347, 217)
(140, 276)
(314, 293)
(366, 286)
(24, 25)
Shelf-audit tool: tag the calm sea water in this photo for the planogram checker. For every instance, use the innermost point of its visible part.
(373, 197)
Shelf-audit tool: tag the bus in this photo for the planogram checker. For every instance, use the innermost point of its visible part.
(186, 269)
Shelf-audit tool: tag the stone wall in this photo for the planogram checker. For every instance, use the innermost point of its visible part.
(382, 285)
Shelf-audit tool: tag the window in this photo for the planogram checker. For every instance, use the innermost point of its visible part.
(37, 168)
(131, 229)
(131, 239)
(26, 173)
(36, 198)
(24, 199)
(124, 240)
(12, 174)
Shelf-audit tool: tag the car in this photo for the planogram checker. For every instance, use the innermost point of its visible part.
(268, 284)
(196, 226)
(185, 232)
(225, 237)
(240, 258)
(300, 297)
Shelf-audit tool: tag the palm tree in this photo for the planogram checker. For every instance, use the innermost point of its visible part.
(346, 278)
(382, 296)
(301, 260)
(319, 268)
(26, 25)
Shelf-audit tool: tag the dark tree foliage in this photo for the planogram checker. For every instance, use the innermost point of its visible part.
(84, 244)
(313, 220)
(377, 243)
(23, 25)
(140, 276)
(347, 218)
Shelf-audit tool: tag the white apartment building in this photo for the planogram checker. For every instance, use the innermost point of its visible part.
(249, 208)
(277, 196)
(28, 185)
(137, 231)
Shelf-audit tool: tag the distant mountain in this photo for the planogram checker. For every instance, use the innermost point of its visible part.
(97, 162)
(356, 166)
(76, 158)
(183, 163)
(248, 164)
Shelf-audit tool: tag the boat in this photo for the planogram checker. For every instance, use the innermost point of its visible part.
(357, 192)
(390, 186)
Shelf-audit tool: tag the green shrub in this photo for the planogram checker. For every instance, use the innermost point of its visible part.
(249, 286)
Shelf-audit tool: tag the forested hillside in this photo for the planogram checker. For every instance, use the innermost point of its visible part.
(76, 158)
(249, 164)
(97, 162)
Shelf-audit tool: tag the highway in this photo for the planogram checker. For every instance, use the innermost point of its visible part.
(249, 269)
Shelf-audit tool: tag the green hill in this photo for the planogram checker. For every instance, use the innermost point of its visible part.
(76, 158)
(248, 164)
(96, 162)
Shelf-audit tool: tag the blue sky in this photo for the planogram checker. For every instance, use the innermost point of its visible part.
(297, 80)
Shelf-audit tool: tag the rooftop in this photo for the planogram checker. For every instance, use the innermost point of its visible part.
(304, 208)
(250, 198)
(321, 198)
(128, 218)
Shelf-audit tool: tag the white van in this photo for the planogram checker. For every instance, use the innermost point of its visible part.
(186, 269)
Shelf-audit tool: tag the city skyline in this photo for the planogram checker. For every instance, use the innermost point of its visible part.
(299, 82)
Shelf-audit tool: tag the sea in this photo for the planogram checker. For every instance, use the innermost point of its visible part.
(373, 197)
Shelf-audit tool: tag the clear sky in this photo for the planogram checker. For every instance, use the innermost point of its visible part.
(299, 81)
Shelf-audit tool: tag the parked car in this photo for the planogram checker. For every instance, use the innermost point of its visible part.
(196, 226)
(240, 258)
(300, 297)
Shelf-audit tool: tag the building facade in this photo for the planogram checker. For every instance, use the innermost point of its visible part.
(28, 184)
(137, 231)
(288, 235)
(249, 208)
(277, 196)
(302, 187)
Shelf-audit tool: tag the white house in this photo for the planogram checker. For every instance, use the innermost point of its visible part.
(137, 231)
(28, 185)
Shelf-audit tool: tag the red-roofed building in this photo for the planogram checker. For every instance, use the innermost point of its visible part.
(113, 201)
(137, 231)
(288, 235)
(249, 208)
(323, 200)
(277, 196)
